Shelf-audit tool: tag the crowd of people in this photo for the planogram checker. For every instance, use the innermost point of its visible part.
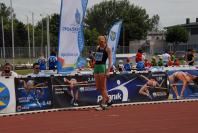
(142, 63)
(39, 65)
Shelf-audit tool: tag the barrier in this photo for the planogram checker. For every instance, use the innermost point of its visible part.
(55, 92)
(33, 94)
(7, 95)
(182, 76)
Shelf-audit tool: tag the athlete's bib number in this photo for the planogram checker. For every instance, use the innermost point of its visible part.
(99, 56)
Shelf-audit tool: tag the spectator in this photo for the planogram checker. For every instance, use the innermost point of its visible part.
(42, 62)
(120, 66)
(147, 64)
(170, 62)
(177, 63)
(173, 58)
(139, 56)
(165, 57)
(7, 71)
(52, 61)
(91, 55)
(127, 66)
(140, 66)
(190, 57)
(160, 62)
(36, 71)
(153, 61)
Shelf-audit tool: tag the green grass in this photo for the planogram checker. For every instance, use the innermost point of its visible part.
(23, 72)
(17, 61)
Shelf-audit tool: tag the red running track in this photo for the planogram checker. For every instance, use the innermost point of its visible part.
(152, 118)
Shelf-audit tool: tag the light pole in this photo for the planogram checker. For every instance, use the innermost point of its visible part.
(41, 33)
(28, 28)
(33, 44)
(3, 39)
(12, 34)
(48, 37)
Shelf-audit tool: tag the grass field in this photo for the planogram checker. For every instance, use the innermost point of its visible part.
(23, 72)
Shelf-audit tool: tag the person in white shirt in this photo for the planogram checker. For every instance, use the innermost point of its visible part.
(7, 71)
(36, 71)
(165, 58)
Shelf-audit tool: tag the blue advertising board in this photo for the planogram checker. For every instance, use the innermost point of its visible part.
(128, 87)
(33, 94)
(183, 84)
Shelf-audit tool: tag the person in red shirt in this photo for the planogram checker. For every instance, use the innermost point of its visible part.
(177, 63)
(139, 56)
(170, 62)
(147, 63)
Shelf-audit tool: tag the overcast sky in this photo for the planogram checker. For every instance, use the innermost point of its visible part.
(171, 12)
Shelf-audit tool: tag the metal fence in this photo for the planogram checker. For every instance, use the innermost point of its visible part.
(23, 52)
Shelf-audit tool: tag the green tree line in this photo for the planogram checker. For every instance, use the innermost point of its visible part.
(99, 18)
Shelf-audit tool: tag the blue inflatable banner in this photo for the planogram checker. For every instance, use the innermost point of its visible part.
(33, 94)
(71, 38)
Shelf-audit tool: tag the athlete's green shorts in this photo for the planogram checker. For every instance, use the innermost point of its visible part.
(99, 68)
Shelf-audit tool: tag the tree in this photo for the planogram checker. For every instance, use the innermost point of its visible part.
(177, 34)
(155, 23)
(136, 21)
(19, 28)
(54, 30)
(90, 36)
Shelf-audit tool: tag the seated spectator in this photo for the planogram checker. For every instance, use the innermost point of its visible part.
(127, 66)
(177, 63)
(7, 71)
(160, 62)
(140, 66)
(147, 64)
(153, 61)
(36, 71)
(170, 62)
(120, 66)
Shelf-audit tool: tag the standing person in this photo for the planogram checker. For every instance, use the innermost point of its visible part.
(190, 57)
(166, 56)
(103, 52)
(42, 62)
(139, 56)
(7, 71)
(52, 61)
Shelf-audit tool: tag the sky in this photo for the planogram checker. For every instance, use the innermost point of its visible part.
(171, 12)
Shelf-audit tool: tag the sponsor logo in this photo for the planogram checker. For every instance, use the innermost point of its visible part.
(4, 96)
(112, 36)
(117, 96)
(159, 94)
(71, 28)
(69, 54)
(75, 27)
(120, 88)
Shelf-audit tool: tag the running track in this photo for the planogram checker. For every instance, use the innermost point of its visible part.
(151, 118)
